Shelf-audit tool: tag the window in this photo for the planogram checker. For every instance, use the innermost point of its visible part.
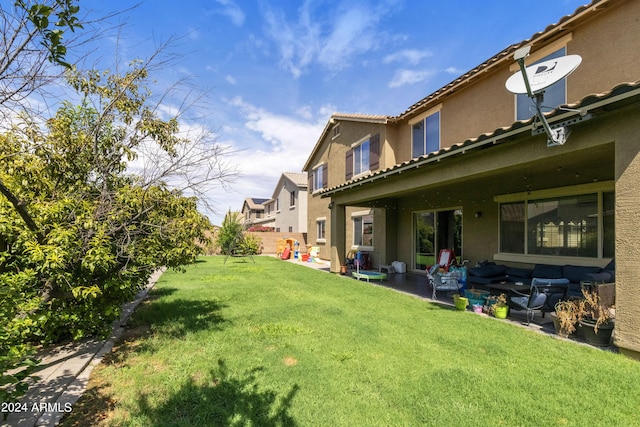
(426, 135)
(318, 178)
(554, 95)
(278, 205)
(363, 230)
(292, 199)
(363, 157)
(321, 225)
(335, 132)
(559, 226)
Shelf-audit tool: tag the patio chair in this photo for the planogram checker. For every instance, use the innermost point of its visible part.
(442, 282)
(543, 294)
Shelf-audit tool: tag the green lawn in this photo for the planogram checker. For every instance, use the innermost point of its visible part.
(274, 343)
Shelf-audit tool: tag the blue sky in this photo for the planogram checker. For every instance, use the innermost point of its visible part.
(277, 70)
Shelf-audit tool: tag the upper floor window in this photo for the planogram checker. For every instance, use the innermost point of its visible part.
(319, 178)
(363, 157)
(426, 135)
(554, 95)
(335, 131)
(292, 199)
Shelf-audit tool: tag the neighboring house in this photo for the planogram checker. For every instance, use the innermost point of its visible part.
(253, 212)
(287, 208)
(463, 169)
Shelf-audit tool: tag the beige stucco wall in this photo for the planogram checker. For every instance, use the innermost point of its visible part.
(333, 151)
(609, 49)
(627, 169)
(608, 46)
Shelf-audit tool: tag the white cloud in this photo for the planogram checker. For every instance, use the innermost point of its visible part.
(232, 11)
(412, 56)
(455, 71)
(231, 80)
(289, 141)
(329, 36)
(407, 77)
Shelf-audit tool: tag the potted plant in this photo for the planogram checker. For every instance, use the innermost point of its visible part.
(596, 319)
(566, 317)
(460, 302)
(497, 306)
(476, 296)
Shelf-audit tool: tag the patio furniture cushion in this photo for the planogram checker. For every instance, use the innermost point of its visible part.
(519, 273)
(605, 276)
(546, 271)
(576, 274)
(488, 270)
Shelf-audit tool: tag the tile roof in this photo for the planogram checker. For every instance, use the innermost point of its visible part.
(622, 94)
(582, 12)
(255, 203)
(299, 179)
(563, 24)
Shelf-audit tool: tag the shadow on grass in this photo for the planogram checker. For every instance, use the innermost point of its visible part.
(170, 319)
(223, 399)
(178, 317)
(91, 409)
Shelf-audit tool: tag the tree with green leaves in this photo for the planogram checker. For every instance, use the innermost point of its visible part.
(94, 198)
(36, 39)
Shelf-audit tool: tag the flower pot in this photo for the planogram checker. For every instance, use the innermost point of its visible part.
(477, 308)
(600, 339)
(561, 332)
(501, 311)
(460, 302)
(343, 269)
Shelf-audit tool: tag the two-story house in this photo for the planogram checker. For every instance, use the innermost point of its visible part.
(287, 208)
(253, 212)
(469, 167)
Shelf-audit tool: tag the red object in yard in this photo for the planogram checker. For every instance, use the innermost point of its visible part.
(286, 254)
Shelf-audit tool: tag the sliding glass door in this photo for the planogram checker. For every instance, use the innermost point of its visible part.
(435, 230)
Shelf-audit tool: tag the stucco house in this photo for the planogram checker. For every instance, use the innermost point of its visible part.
(287, 208)
(468, 167)
(253, 212)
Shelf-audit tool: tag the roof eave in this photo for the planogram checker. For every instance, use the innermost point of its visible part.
(589, 103)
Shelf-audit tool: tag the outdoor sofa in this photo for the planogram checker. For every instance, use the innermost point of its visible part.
(487, 273)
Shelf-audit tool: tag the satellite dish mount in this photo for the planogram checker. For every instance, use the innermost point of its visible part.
(533, 80)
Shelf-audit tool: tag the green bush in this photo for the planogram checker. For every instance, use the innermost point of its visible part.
(79, 236)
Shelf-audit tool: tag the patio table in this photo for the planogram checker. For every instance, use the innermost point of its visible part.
(506, 287)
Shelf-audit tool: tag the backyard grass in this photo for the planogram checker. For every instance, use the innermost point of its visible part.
(272, 343)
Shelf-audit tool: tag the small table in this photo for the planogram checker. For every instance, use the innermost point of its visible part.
(506, 286)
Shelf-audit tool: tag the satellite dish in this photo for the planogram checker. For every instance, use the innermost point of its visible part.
(543, 74)
(534, 79)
